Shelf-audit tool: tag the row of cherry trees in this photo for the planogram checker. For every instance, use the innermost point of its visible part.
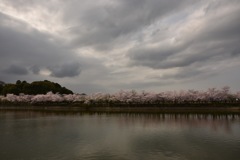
(211, 95)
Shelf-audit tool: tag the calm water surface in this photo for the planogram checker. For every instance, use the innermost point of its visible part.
(48, 136)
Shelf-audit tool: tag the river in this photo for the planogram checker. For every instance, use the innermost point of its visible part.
(28, 135)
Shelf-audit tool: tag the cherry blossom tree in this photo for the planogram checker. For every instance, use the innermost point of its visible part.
(132, 97)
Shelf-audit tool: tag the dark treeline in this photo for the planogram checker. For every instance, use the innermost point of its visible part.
(34, 88)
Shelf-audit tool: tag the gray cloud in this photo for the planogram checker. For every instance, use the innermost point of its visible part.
(188, 73)
(168, 42)
(34, 52)
(217, 40)
(66, 70)
(34, 49)
(35, 69)
(17, 70)
(103, 27)
(31, 47)
(176, 58)
(155, 57)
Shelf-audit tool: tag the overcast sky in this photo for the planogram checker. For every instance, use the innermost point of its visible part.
(108, 45)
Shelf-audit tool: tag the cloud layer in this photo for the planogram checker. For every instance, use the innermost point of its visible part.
(104, 45)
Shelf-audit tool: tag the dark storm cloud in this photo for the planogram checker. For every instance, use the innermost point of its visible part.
(30, 47)
(36, 51)
(154, 57)
(174, 40)
(226, 26)
(66, 70)
(171, 57)
(17, 70)
(186, 73)
(35, 69)
(218, 39)
(102, 27)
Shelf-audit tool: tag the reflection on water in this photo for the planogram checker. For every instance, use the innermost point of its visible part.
(43, 135)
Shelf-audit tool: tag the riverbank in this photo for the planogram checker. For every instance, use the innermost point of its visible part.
(126, 109)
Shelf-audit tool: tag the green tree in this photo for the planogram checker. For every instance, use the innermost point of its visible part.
(11, 88)
(1, 89)
(37, 87)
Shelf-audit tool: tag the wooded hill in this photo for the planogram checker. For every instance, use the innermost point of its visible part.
(34, 88)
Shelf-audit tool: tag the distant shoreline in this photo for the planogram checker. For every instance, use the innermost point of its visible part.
(128, 109)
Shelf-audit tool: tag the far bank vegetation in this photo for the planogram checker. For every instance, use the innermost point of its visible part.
(54, 94)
